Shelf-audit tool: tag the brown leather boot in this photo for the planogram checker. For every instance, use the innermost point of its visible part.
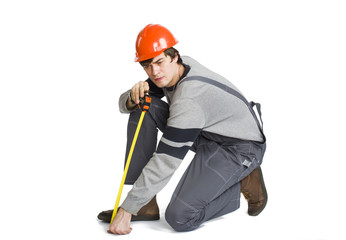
(255, 192)
(148, 212)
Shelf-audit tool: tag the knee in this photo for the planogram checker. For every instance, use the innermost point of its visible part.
(181, 219)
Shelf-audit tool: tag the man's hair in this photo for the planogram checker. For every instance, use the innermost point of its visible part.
(172, 52)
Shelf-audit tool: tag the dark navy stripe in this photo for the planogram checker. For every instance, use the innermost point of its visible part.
(172, 151)
(181, 135)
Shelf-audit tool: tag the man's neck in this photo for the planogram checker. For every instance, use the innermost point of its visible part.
(180, 72)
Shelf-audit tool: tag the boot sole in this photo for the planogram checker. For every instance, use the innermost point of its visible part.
(106, 217)
(145, 218)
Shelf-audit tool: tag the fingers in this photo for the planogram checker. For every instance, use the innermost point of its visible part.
(121, 223)
(120, 231)
(138, 91)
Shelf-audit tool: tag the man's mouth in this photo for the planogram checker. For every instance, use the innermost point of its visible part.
(159, 79)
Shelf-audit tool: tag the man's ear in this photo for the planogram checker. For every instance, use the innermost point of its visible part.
(175, 59)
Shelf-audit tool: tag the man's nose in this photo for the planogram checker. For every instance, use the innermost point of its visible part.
(155, 69)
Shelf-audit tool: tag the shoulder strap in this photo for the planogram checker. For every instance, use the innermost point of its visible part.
(234, 93)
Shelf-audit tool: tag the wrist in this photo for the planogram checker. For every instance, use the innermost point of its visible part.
(130, 105)
(124, 212)
(130, 98)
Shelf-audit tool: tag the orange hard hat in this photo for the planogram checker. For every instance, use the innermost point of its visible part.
(152, 41)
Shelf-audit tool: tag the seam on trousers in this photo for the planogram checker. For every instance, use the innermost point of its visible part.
(193, 217)
(191, 220)
(196, 211)
(133, 122)
(214, 170)
(186, 204)
(219, 192)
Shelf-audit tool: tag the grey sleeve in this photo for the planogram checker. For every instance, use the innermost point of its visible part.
(154, 177)
(122, 102)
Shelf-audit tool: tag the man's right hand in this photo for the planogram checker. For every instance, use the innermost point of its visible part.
(121, 223)
(137, 91)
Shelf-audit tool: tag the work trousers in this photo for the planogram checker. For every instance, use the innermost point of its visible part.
(210, 186)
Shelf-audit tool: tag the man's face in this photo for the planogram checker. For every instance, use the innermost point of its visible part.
(163, 71)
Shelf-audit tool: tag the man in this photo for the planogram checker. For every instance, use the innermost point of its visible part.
(204, 113)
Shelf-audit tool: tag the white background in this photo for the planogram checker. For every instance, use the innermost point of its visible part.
(63, 65)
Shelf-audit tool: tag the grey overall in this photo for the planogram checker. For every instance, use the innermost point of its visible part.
(210, 186)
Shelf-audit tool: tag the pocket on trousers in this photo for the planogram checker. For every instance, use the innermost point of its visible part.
(225, 163)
